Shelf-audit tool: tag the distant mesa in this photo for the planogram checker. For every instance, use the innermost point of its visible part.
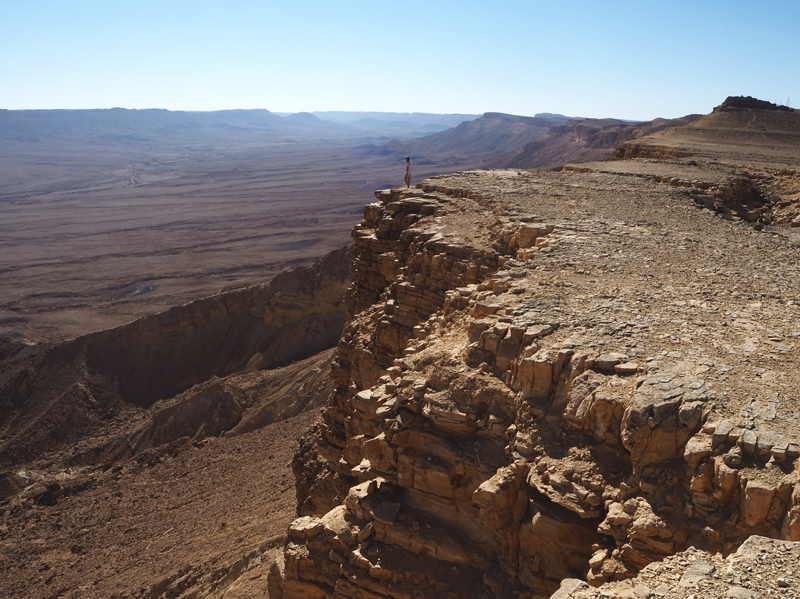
(553, 116)
(742, 128)
(750, 102)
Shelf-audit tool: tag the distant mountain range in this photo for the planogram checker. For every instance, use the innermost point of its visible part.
(164, 126)
(130, 125)
(494, 140)
(498, 140)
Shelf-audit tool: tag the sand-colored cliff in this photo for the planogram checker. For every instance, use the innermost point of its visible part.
(549, 377)
(548, 384)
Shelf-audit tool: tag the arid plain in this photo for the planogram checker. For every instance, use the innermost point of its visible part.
(93, 238)
(109, 215)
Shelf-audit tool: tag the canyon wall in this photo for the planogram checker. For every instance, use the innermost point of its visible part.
(197, 365)
(482, 441)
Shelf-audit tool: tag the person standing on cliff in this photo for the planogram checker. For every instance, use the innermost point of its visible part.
(408, 171)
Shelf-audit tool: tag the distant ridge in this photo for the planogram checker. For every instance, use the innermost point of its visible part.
(419, 118)
(398, 123)
(145, 124)
(161, 126)
(498, 140)
(476, 141)
(551, 116)
(579, 140)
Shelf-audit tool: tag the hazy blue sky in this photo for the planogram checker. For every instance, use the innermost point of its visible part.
(625, 59)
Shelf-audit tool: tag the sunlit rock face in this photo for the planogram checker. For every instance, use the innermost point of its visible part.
(563, 376)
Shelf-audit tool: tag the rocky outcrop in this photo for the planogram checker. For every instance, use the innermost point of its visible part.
(480, 443)
(759, 567)
(734, 102)
(762, 196)
(740, 160)
(633, 149)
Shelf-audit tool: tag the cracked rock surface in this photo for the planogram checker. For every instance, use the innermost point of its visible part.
(549, 377)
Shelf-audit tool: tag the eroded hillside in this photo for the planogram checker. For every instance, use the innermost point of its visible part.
(551, 377)
(153, 459)
(498, 140)
(60, 397)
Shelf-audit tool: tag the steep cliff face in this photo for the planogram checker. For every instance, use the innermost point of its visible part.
(59, 395)
(501, 421)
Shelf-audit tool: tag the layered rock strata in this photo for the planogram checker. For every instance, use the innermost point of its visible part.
(503, 420)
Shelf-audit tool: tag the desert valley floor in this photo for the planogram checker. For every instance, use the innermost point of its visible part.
(86, 248)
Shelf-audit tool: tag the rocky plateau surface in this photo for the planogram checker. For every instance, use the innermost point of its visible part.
(571, 384)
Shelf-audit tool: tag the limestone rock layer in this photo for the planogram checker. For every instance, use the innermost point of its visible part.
(547, 376)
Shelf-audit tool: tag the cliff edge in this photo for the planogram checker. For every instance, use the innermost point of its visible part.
(551, 376)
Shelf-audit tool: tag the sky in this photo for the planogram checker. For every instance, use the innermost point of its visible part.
(634, 60)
